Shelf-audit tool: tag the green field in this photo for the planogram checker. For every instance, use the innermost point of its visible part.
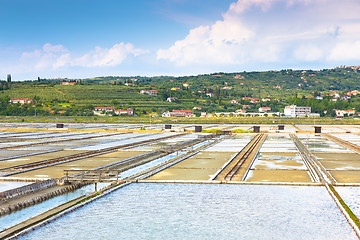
(161, 120)
(283, 88)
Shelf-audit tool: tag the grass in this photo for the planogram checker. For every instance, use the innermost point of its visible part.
(196, 120)
(241, 131)
(217, 131)
(345, 206)
(45, 92)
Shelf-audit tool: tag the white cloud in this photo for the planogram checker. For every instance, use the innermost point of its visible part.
(57, 56)
(214, 44)
(344, 51)
(44, 58)
(48, 48)
(277, 31)
(102, 57)
(308, 53)
(242, 5)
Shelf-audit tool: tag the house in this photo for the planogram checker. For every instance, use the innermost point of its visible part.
(21, 100)
(203, 114)
(173, 114)
(105, 109)
(241, 111)
(210, 94)
(319, 97)
(171, 99)
(149, 92)
(187, 113)
(353, 93)
(175, 88)
(128, 111)
(246, 106)
(264, 109)
(266, 100)
(100, 111)
(342, 113)
(254, 100)
(130, 84)
(336, 95)
(179, 113)
(238, 76)
(295, 111)
(227, 88)
(234, 102)
(247, 98)
(197, 108)
(186, 85)
(68, 83)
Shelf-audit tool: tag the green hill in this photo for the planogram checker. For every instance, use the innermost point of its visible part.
(282, 87)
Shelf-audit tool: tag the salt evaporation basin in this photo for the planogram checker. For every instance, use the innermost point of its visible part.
(204, 211)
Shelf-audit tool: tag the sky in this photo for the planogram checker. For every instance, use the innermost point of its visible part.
(90, 38)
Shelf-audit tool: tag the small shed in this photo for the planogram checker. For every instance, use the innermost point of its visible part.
(198, 128)
(256, 129)
(317, 129)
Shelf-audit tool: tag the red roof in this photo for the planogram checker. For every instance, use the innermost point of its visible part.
(104, 107)
(21, 99)
(184, 111)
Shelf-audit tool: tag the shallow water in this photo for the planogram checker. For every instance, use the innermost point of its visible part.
(229, 145)
(168, 211)
(5, 186)
(9, 220)
(279, 162)
(151, 164)
(351, 196)
(122, 141)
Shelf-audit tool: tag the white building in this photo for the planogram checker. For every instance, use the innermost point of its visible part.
(171, 99)
(149, 92)
(295, 111)
(129, 111)
(342, 113)
(21, 100)
(264, 109)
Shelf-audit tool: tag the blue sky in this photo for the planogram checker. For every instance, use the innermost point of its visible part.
(87, 38)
